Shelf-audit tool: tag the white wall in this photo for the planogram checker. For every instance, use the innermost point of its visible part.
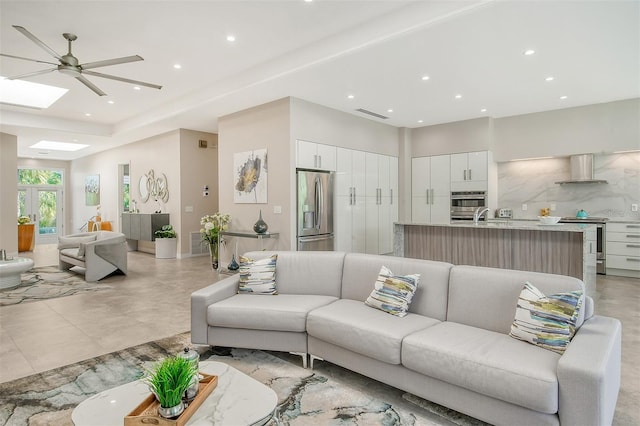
(8, 193)
(449, 138)
(600, 128)
(265, 126)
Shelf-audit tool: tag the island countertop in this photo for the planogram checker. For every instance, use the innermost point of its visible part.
(531, 225)
(526, 245)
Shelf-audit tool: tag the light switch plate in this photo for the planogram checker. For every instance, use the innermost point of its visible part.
(188, 209)
(277, 209)
(524, 207)
(634, 207)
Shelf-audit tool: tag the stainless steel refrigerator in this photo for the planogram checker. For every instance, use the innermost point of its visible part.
(315, 210)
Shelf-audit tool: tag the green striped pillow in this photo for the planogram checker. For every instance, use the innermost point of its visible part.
(546, 321)
(258, 276)
(392, 294)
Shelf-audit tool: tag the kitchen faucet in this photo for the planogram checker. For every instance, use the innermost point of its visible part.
(478, 213)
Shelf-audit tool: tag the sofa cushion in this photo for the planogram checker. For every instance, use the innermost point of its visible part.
(258, 276)
(546, 321)
(393, 293)
(72, 252)
(74, 242)
(486, 362)
(282, 312)
(358, 328)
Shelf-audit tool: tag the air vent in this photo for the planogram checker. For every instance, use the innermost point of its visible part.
(197, 248)
(371, 113)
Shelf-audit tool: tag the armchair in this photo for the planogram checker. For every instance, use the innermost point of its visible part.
(99, 253)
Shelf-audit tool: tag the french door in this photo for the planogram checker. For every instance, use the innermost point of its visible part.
(43, 205)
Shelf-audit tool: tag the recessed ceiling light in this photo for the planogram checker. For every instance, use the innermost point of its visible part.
(563, 97)
(350, 96)
(58, 146)
(425, 77)
(389, 110)
(28, 94)
(308, 1)
(177, 66)
(88, 114)
(136, 87)
(529, 52)
(111, 102)
(420, 121)
(458, 96)
(231, 37)
(550, 78)
(483, 110)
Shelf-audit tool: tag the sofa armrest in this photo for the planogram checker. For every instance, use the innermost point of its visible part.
(589, 373)
(200, 301)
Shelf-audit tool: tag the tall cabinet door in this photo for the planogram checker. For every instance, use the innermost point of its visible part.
(421, 190)
(440, 189)
(343, 202)
(358, 209)
(371, 203)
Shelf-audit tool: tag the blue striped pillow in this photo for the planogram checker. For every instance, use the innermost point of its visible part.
(258, 276)
(393, 293)
(546, 321)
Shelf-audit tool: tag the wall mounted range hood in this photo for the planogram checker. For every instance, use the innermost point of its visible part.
(581, 170)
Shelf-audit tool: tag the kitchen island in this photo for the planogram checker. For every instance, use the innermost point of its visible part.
(565, 249)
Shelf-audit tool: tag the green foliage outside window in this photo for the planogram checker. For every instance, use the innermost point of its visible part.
(47, 200)
(39, 177)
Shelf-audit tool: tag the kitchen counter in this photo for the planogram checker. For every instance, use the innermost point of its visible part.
(565, 249)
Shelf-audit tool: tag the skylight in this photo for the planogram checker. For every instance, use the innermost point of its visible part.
(28, 94)
(58, 146)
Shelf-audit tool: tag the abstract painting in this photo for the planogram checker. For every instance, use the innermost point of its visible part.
(92, 190)
(250, 176)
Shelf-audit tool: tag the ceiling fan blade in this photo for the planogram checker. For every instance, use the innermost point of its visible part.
(125, 80)
(31, 74)
(27, 59)
(37, 41)
(90, 85)
(109, 62)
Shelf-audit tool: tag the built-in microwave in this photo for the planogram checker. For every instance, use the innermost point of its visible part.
(465, 203)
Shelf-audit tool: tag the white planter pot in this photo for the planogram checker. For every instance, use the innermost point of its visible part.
(166, 248)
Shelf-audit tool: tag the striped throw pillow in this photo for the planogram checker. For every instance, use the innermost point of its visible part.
(392, 293)
(258, 276)
(546, 321)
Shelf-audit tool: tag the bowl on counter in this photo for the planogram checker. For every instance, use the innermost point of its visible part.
(549, 220)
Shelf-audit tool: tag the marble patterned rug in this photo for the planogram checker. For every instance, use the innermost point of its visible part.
(327, 395)
(47, 282)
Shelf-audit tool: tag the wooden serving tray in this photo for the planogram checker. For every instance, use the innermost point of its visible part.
(147, 412)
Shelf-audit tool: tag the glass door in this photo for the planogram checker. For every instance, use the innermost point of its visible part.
(43, 205)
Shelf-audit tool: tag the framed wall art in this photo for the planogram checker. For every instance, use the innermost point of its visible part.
(92, 190)
(250, 177)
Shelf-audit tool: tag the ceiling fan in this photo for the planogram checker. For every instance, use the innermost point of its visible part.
(70, 65)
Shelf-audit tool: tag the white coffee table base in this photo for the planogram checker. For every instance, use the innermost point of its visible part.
(237, 400)
(10, 271)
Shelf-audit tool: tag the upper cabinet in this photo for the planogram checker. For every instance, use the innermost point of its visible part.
(311, 155)
(469, 171)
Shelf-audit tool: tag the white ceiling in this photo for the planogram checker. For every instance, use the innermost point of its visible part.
(320, 51)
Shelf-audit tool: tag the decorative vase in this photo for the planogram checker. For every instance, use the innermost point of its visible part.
(213, 252)
(171, 412)
(233, 265)
(260, 227)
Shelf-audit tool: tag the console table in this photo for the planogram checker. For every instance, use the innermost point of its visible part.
(249, 234)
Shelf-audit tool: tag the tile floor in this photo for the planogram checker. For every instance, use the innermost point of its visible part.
(152, 302)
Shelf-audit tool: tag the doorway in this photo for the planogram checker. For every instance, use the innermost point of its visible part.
(43, 205)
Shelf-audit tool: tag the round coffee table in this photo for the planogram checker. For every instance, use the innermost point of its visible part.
(10, 271)
(237, 400)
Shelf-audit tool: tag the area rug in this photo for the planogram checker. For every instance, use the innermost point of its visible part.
(327, 395)
(47, 282)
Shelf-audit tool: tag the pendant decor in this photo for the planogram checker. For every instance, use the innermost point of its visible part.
(233, 265)
(260, 227)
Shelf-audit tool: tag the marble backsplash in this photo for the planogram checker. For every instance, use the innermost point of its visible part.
(532, 182)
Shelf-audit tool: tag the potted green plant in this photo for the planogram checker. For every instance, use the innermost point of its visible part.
(169, 380)
(166, 242)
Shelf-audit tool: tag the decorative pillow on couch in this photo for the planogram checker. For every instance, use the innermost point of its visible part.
(546, 321)
(258, 276)
(393, 293)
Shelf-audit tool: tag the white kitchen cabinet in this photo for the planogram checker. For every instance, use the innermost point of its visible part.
(311, 155)
(349, 214)
(430, 189)
(381, 205)
(623, 249)
(469, 171)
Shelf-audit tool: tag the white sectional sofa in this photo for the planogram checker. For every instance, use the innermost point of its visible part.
(101, 253)
(453, 348)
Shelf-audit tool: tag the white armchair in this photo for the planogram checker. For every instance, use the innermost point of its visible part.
(99, 253)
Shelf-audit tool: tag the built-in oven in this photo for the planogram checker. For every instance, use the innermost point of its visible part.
(601, 238)
(465, 203)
